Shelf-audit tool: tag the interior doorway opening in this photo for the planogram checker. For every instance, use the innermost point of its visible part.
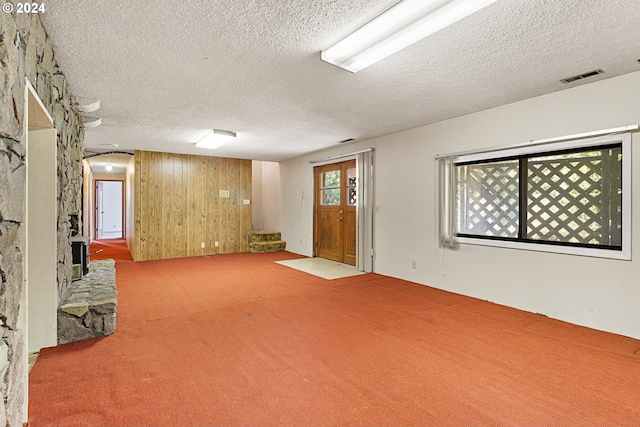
(38, 314)
(109, 212)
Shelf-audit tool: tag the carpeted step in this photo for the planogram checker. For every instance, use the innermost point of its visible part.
(264, 236)
(262, 247)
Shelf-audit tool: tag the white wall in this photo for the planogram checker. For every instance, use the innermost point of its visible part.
(593, 292)
(272, 208)
(256, 195)
(41, 236)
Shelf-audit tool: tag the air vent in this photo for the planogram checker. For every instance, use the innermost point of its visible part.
(344, 141)
(582, 76)
(571, 79)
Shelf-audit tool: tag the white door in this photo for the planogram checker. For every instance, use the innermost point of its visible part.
(109, 209)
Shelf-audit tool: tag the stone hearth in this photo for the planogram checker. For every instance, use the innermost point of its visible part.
(90, 304)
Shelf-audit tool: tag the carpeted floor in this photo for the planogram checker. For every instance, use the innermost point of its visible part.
(110, 248)
(238, 340)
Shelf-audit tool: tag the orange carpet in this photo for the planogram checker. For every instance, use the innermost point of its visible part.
(238, 340)
(110, 249)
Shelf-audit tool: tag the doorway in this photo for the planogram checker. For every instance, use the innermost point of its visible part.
(109, 215)
(335, 200)
(39, 301)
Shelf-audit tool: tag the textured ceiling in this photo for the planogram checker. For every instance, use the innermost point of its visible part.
(167, 72)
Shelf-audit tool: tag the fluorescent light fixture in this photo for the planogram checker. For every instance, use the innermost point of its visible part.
(215, 139)
(404, 24)
(109, 168)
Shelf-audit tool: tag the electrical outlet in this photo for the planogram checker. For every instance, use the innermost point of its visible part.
(413, 264)
(216, 244)
(202, 245)
(223, 194)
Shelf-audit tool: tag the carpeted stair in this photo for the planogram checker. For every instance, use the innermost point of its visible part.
(261, 241)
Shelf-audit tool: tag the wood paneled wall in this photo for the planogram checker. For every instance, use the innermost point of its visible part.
(177, 205)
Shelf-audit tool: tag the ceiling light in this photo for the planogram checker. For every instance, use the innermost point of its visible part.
(89, 108)
(86, 105)
(404, 24)
(108, 168)
(91, 122)
(215, 139)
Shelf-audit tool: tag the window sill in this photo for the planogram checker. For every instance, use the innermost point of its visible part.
(624, 254)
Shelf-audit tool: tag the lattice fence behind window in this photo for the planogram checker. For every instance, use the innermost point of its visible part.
(568, 201)
(488, 199)
(353, 192)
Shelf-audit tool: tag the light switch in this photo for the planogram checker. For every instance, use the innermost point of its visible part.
(246, 201)
(224, 194)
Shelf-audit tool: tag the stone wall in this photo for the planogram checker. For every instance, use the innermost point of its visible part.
(26, 51)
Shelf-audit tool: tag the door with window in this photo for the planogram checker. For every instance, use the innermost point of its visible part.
(335, 212)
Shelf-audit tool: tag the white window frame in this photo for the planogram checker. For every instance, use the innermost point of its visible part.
(623, 139)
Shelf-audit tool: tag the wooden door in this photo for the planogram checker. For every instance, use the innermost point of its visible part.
(335, 212)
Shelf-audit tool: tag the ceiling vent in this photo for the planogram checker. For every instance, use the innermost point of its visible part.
(344, 141)
(582, 76)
